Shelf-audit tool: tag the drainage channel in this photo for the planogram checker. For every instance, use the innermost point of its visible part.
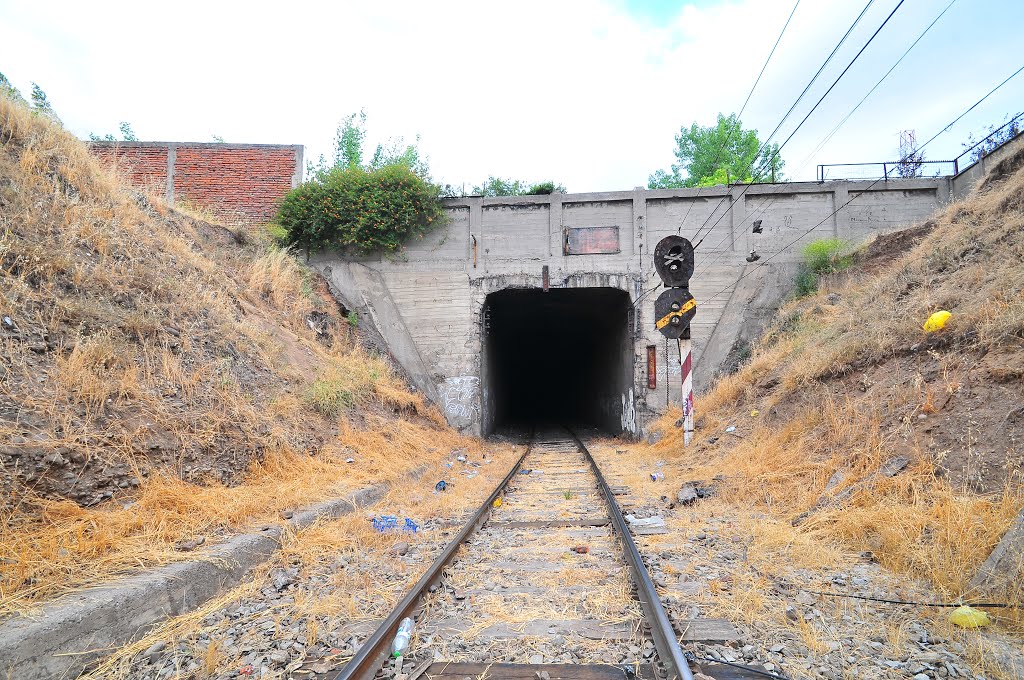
(544, 581)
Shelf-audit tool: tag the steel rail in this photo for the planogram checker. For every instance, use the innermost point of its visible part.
(373, 653)
(662, 631)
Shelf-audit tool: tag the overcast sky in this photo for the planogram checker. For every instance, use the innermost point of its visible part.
(586, 93)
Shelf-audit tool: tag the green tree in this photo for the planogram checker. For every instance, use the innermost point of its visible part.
(350, 152)
(41, 104)
(499, 186)
(396, 152)
(348, 141)
(997, 136)
(724, 151)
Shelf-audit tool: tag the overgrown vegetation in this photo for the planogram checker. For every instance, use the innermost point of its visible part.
(820, 258)
(498, 186)
(996, 136)
(359, 206)
(127, 134)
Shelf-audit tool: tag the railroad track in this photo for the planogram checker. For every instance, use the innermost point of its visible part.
(544, 581)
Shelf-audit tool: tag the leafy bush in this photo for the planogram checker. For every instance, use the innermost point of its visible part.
(360, 210)
(362, 207)
(498, 186)
(821, 257)
(544, 188)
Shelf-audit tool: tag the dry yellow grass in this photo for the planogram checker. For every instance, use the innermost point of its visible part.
(63, 546)
(168, 351)
(803, 418)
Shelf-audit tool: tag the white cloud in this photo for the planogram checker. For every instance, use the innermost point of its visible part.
(577, 91)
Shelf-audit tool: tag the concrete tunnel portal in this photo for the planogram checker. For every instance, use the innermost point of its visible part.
(557, 357)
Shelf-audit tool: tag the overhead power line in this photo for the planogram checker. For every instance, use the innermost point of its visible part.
(955, 120)
(863, 191)
(769, 200)
(863, 99)
(742, 108)
(796, 102)
(816, 105)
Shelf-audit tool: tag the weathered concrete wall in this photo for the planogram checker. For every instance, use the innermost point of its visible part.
(439, 284)
(965, 180)
(236, 181)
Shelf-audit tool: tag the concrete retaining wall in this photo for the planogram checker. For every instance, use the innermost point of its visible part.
(964, 181)
(436, 289)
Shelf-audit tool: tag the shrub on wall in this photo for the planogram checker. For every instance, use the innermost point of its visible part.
(358, 207)
(359, 210)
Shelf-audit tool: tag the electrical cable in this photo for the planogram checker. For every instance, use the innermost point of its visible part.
(813, 109)
(690, 656)
(799, 98)
(992, 91)
(1015, 119)
(646, 293)
(862, 192)
(765, 204)
(991, 605)
(743, 108)
(842, 122)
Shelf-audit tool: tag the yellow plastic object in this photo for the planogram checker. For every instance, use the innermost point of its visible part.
(754, 413)
(497, 502)
(968, 617)
(937, 321)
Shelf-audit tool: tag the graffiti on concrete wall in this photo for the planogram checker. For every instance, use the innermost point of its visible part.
(459, 399)
(628, 412)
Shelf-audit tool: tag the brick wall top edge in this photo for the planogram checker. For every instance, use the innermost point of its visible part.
(191, 145)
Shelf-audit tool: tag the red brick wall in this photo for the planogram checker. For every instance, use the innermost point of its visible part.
(247, 182)
(236, 181)
(144, 166)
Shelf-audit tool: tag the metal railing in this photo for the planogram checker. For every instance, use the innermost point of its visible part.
(892, 169)
(889, 170)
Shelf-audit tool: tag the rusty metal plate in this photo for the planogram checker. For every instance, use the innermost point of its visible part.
(591, 241)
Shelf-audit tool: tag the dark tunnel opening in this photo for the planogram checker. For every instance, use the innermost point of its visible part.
(561, 357)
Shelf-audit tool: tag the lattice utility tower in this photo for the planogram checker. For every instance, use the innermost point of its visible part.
(908, 143)
(910, 162)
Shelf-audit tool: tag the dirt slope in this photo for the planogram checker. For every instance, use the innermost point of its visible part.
(163, 377)
(862, 429)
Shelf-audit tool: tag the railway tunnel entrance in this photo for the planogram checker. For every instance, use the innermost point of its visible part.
(561, 357)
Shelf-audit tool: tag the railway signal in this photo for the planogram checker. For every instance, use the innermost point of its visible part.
(674, 309)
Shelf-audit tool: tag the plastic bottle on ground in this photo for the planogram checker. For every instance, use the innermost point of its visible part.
(402, 637)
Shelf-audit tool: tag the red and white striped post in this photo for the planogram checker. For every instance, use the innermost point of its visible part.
(686, 370)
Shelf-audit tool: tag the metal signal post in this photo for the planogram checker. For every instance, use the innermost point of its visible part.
(673, 310)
